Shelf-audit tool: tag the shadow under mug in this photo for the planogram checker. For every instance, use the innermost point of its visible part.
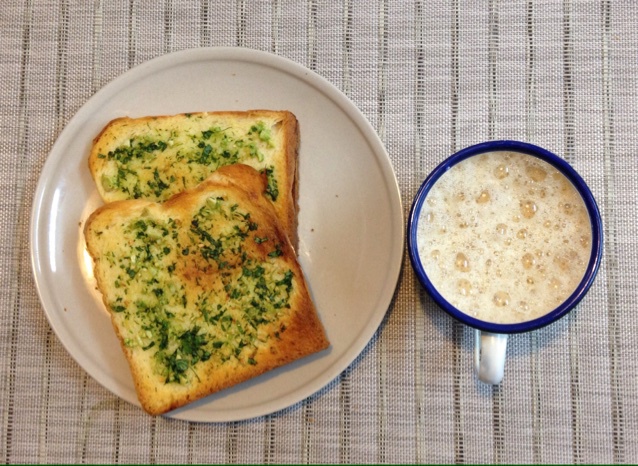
(491, 338)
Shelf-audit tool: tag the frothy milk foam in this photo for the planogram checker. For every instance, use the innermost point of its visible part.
(504, 237)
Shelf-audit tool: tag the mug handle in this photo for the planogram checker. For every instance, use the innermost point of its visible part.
(489, 356)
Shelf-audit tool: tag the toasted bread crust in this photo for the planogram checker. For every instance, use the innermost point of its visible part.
(155, 157)
(262, 249)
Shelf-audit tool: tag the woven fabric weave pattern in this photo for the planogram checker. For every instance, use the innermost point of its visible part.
(432, 77)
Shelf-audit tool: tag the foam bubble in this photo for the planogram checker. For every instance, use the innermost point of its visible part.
(464, 287)
(462, 263)
(535, 172)
(528, 260)
(501, 171)
(528, 209)
(501, 298)
(483, 198)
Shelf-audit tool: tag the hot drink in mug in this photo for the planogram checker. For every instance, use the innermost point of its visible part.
(506, 238)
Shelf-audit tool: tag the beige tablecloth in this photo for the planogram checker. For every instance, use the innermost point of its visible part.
(432, 77)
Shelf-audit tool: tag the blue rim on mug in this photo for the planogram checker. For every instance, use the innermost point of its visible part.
(579, 184)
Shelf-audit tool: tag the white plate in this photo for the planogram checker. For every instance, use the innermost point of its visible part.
(350, 220)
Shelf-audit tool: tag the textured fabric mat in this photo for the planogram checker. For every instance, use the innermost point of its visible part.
(432, 77)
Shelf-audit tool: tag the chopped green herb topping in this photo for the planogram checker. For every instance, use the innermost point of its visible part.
(272, 190)
(131, 167)
(155, 258)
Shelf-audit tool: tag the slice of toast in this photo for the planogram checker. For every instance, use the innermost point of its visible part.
(204, 290)
(156, 157)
